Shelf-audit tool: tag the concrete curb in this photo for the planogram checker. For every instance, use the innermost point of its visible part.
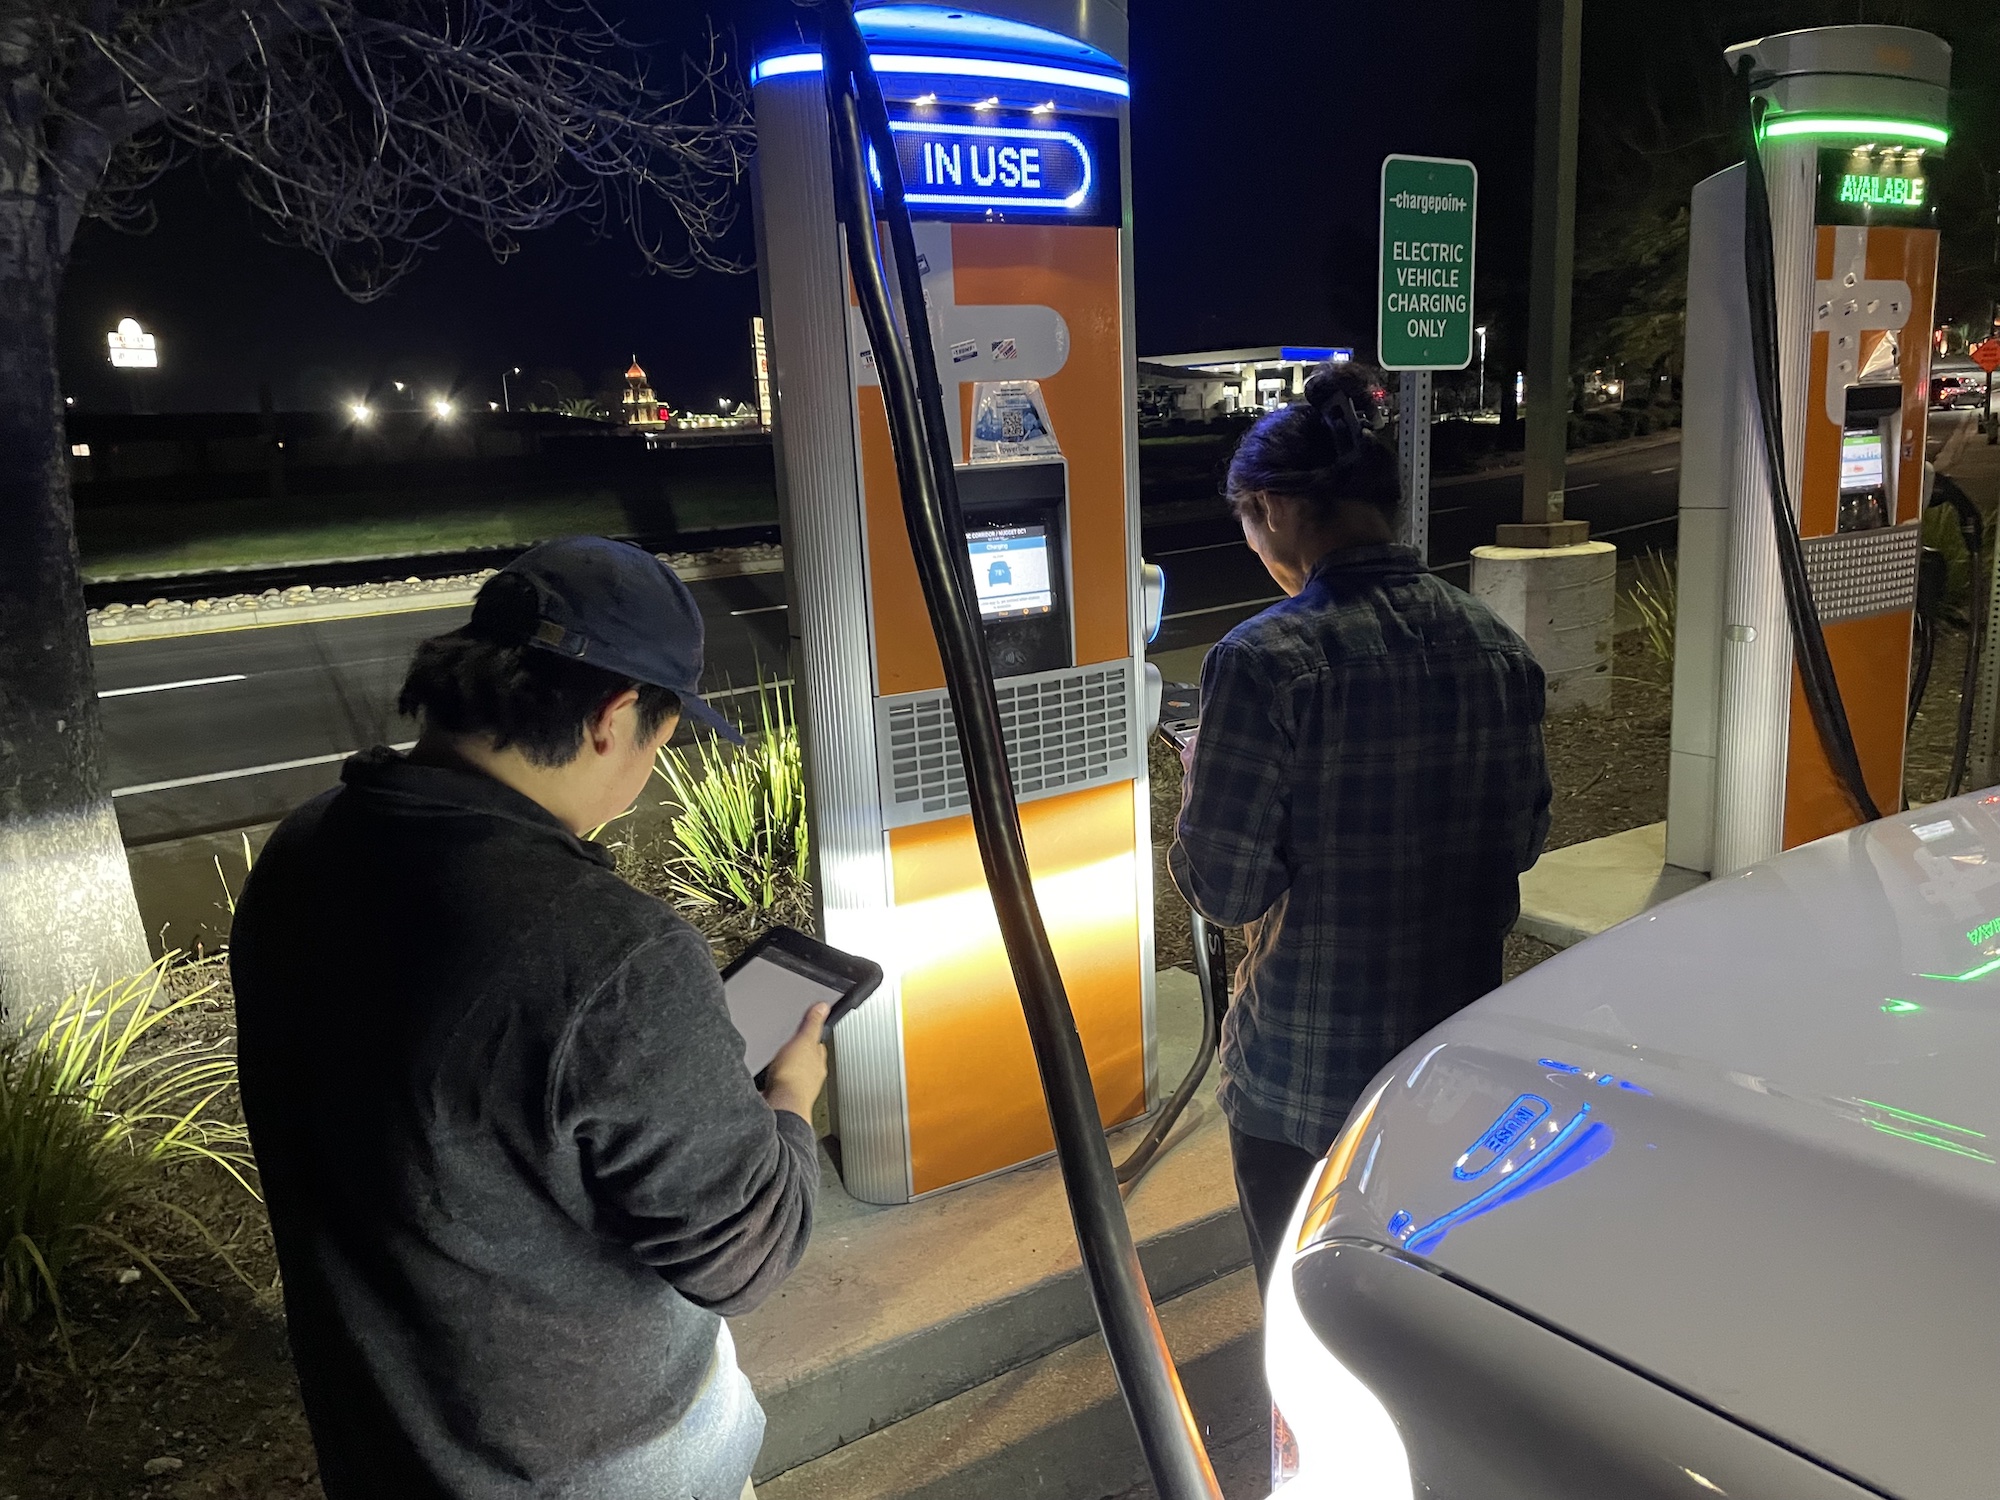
(1055, 1429)
(1580, 890)
(412, 597)
(817, 1415)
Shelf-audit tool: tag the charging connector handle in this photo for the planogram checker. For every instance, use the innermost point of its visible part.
(1168, 1435)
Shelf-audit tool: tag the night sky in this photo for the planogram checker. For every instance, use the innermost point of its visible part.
(1258, 134)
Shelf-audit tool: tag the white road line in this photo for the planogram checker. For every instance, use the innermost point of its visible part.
(762, 609)
(161, 687)
(1575, 489)
(1449, 510)
(1667, 470)
(1205, 547)
(1216, 609)
(277, 765)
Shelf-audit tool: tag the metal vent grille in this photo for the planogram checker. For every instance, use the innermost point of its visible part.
(1859, 573)
(1063, 730)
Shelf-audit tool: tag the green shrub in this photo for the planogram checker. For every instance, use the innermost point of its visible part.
(742, 846)
(97, 1100)
(1656, 597)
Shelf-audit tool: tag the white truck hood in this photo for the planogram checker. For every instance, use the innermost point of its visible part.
(1745, 1143)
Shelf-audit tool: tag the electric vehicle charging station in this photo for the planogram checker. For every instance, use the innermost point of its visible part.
(1011, 127)
(1853, 115)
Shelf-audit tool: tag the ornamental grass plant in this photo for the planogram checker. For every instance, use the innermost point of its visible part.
(741, 846)
(103, 1101)
(1656, 598)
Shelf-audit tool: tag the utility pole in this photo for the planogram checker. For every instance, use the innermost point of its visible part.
(1558, 66)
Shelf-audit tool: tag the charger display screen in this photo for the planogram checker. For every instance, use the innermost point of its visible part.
(1010, 571)
(1860, 461)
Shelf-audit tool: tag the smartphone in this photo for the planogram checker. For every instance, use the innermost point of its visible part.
(1180, 713)
(773, 983)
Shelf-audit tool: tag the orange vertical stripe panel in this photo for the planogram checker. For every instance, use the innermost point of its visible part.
(1871, 658)
(975, 1099)
(906, 653)
(1074, 270)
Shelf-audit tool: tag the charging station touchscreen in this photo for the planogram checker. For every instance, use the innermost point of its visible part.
(1010, 571)
(1861, 460)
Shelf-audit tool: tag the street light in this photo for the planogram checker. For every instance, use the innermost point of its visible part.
(506, 401)
(360, 411)
(1481, 331)
(442, 407)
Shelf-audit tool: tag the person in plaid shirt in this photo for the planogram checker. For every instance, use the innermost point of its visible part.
(1367, 785)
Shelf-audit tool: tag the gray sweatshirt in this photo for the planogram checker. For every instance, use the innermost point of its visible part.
(514, 1164)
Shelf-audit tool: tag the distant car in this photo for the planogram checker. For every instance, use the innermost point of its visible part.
(1708, 1205)
(1956, 382)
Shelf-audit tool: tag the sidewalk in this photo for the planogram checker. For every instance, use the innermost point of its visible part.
(1577, 892)
(895, 1310)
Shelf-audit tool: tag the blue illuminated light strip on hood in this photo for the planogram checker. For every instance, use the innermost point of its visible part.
(1574, 1147)
(952, 67)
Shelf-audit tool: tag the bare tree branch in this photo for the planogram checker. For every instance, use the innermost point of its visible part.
(364, 128)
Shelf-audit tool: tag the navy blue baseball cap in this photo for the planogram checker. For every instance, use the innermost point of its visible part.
(611, 604)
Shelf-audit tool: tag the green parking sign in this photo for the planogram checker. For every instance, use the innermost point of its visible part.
(1429, 208)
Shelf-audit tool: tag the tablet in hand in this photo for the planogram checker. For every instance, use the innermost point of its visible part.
(778, 978)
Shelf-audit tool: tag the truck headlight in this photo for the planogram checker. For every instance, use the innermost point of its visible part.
(1348, 1445)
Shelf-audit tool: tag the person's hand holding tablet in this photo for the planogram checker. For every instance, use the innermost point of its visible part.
(785, 992)
(793, 1079)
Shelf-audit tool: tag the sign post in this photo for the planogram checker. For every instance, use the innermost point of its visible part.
(1424, 304)
(1986, 354)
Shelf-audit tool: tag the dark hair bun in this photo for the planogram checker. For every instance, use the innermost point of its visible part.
(1321, 449)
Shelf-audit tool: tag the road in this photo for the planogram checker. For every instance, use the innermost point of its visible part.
(233, 728)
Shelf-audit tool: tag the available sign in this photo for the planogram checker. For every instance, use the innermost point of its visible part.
(1429, 209)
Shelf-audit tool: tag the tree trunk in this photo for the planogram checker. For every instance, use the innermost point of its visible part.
(67, 912)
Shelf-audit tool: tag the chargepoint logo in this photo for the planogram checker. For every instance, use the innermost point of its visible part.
(1430, 203)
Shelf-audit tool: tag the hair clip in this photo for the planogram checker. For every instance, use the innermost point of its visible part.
(1344, 422)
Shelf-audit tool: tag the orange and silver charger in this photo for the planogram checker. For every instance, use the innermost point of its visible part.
(1853, 117)
(1011, 139)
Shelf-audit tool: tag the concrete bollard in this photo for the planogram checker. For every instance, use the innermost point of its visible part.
(1561, 600)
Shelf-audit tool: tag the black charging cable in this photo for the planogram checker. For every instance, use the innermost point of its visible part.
(919, 438)
(1816, 673)
(1212, 971)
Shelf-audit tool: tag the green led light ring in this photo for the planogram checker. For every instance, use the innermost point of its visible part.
(1778, 127)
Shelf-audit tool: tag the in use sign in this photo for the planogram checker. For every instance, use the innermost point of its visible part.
(1429, 207)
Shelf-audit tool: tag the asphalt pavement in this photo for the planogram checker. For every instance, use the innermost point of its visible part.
(233, 728)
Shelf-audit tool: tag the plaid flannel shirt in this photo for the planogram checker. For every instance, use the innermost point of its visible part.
(1367, 786)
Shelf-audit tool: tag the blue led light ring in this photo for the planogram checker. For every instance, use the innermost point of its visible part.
(784, 64)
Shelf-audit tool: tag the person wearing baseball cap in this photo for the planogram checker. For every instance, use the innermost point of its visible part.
(516, 1170)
